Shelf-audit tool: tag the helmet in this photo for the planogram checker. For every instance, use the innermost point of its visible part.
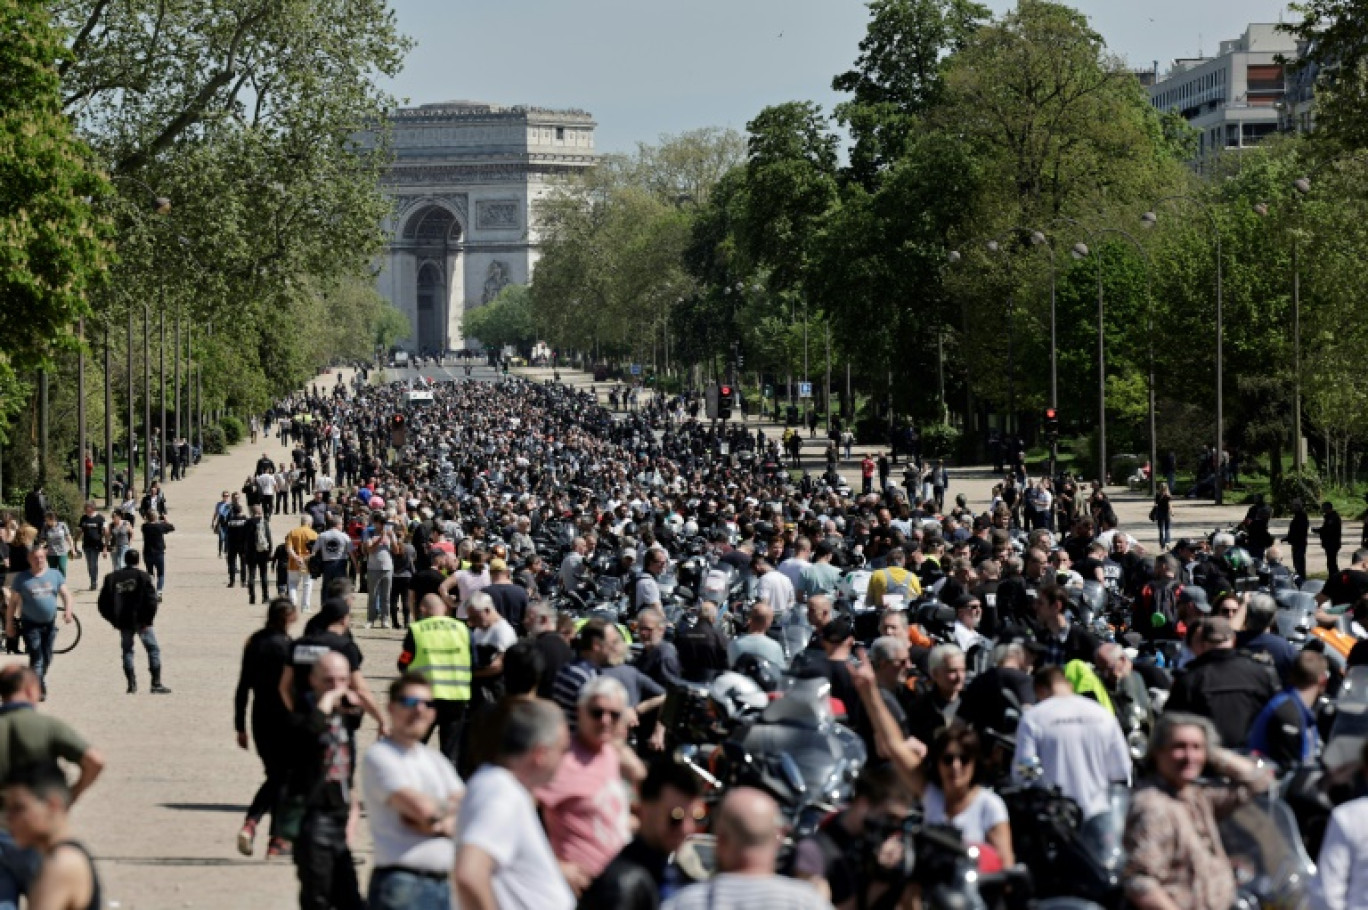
(760, 671)
(1092, 600)
(690, 528)
(376, 503)
(735, 694)
(1237, 562)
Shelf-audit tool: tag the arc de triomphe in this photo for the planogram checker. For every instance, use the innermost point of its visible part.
(465, 180)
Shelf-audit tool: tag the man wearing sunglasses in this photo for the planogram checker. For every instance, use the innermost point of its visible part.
(585, 806)
(412, 794)
(641, 876)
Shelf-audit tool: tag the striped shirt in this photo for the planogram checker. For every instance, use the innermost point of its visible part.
(566, 689)
(751, 892)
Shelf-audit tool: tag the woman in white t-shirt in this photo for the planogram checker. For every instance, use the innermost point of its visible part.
(953, 795)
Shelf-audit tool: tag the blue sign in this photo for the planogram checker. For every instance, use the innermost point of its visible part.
(804, 390)
(636, 369)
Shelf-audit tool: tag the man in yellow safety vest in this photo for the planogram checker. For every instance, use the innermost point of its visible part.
(438, 646)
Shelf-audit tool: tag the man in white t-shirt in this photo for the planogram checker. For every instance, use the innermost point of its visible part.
(504, 861)
(411, 794)
(794, 567)
(773, 586)
(1077, 743)
(266, 486)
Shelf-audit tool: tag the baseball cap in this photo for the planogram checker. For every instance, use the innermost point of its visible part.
(1195, 596)
(498, 565)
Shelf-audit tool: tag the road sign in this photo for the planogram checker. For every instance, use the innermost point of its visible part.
(804, 390)
(636, 369)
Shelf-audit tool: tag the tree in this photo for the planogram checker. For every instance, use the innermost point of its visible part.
(53, 243)
(505, 320)
(899, 75)
(1334, 35)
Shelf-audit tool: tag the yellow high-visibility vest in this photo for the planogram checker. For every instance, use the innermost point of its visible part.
(441, 647)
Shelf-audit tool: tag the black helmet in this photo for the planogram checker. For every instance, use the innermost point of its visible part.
(763, 672)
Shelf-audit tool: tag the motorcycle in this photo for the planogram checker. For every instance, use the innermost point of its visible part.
(1271, 865)
(797, 752)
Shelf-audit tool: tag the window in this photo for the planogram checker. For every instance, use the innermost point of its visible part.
(560, 134)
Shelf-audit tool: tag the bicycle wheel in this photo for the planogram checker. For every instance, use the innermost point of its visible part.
(68, 636)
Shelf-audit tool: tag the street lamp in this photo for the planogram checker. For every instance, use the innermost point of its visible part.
(1081, 251)
(1151, 218)
(1302, 187)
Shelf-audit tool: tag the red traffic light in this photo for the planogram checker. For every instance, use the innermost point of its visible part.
(1051, 414)
(725, 391)
(397, 420)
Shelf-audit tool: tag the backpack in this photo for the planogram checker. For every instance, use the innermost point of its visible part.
(108, 606)
(898, 589)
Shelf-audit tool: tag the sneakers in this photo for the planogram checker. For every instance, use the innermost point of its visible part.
(159, 689)
(278, 846)
(246, 838)
(370, 625)
(132, 687)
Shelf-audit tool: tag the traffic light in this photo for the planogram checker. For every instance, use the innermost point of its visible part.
(398, 429)
(1051, 423)
(724, 402)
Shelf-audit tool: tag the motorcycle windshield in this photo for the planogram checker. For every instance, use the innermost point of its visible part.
(1101, 834)
(1266, 853)
(1350, 728)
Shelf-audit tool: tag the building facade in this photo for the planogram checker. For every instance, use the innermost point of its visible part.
(1234, 99)
(466, 180)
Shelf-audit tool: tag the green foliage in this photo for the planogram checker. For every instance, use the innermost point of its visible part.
(215, 441)
(53, 246)
(505, 320)
(390, 326)
(234, 430)
(1305, 485)
(1334, 34)
(940, 440)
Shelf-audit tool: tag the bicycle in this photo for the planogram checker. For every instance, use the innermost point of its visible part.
(67, 638)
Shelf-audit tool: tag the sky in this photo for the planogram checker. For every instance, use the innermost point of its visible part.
(645, 68)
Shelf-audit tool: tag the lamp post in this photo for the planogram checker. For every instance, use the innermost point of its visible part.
(1081, 251)
(1150, 219)
(1301, 187)
(159, 205)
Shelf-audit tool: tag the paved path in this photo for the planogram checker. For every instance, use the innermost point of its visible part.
(163, 818)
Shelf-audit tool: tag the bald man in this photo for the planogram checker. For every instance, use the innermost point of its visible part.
(438, 646)
(757, 640)
(327, 876)
(748, 827)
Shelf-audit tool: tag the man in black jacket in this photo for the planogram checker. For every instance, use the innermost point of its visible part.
(640, 877)
(1221, 683)
(256, 549)
(129, 601)
(1331, 536)
(234, 542)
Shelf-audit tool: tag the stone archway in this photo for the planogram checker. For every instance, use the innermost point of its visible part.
(433, 234)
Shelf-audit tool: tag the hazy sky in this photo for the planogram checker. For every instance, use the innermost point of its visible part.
(647, 67)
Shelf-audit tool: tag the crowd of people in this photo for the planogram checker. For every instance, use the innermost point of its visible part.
(555, 764)
(532, 548)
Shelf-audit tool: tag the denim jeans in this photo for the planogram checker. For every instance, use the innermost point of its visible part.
(18, 868)
(258, 564)
(149, 640)
(378, 605)
(92, 558)
(156, 565)
(38, 640)
(116, 558)
(398, 889)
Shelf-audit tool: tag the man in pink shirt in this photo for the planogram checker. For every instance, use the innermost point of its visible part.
(586, 805)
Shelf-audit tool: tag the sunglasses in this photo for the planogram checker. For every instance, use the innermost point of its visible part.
(953, 758)
(600, 713)
(678, 814)
(413, 701)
